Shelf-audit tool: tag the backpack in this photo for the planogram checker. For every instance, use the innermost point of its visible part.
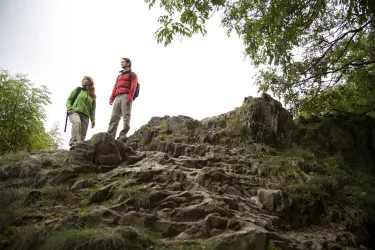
(136, 93)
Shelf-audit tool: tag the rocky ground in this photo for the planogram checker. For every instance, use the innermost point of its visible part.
(248, 179)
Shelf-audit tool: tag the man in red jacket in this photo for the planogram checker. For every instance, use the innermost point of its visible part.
(122, 98)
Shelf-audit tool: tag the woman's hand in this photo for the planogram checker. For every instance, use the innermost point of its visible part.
(92, 125)
(70, 111)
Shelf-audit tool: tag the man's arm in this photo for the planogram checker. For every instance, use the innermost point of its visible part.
(113, 92)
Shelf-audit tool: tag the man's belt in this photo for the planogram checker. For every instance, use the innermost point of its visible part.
(123, 87)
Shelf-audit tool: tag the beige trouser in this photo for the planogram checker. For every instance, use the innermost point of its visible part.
(120, 108)
(80, 123)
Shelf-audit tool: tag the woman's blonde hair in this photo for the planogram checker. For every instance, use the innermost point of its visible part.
(91, 87)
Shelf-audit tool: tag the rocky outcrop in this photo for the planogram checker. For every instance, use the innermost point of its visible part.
(228, 182)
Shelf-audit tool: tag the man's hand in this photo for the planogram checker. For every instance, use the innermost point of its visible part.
(70, 111)
(110, 102)
(128, 101)
(92, 125)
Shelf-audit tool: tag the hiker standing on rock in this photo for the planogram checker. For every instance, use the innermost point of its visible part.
(81, 106)
(123, 94)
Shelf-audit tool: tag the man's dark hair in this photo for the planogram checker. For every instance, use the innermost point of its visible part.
(128, 61)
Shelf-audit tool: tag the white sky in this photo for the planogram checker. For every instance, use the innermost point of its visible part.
(57, 42)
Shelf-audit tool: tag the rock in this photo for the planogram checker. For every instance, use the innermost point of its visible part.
(106, 150)
(135, 158)
(270, 199)
(29, 168)
(268, 121)
(102, 216)
(132, 218)
(216, 221)
(79, 184)
(347, 239)
(64, 176)
(71, 221)
(261, 222)
(82, 154)
(199, 211)
(101, 149)
(32, 196)
(213, 184)
(208, 174)
(235, 224)
(166, 228)
(255, 200)
(158, 196)
(253, 237)
(102, 194)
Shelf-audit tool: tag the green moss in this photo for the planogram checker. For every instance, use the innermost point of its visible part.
(271, 246)
(144, 128)
(82, 213)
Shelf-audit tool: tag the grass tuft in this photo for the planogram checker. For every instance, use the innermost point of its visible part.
(95, 239)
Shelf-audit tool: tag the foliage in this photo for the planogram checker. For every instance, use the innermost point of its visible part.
(55, 193)
(22, 115)
(13, 157)
(28, 237)
(317, 55)
(339, 184)
(271, 245)
(103, 238)
(11, 208)
(237, 126)
(140, 194)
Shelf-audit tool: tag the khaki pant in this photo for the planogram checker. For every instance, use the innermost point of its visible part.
(80, 123)
(120, 108)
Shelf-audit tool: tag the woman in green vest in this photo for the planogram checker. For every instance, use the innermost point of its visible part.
(81, 110)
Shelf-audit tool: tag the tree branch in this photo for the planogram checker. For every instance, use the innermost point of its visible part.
(333, 43)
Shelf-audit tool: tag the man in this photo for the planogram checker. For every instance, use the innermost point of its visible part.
(122, 98)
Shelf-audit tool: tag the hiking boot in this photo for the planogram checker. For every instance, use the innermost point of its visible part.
(72, 146)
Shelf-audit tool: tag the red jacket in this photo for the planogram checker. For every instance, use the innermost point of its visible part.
(123, 85)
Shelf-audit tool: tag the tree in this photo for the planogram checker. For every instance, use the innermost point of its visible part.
(22, 114)
(317, 55)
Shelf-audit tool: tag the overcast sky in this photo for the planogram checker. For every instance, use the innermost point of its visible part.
(57, 42)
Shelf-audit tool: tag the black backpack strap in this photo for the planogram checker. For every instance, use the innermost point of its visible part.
(76, 94)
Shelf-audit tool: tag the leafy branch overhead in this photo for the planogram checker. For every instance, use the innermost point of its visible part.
(317, 55)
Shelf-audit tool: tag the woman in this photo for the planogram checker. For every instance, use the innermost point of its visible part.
(81, 109)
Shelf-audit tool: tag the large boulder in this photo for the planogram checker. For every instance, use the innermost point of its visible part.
(268, 121)
(101, 149)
